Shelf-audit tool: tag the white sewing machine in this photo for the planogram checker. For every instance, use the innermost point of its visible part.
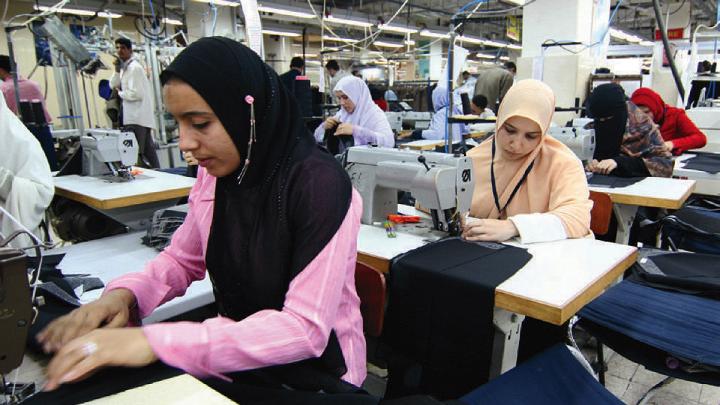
(395, 119)
(578, 138)
(707, 119)
(108, 152)
(440, 182)
(416, 119)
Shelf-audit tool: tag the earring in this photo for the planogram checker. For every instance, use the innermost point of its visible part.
(251, 140)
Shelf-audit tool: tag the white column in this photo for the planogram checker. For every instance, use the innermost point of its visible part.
(200, 19)
(565, 72)
(436, 62)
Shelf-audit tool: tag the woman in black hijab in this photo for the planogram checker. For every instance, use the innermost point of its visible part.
(274, 220)
(627, 142)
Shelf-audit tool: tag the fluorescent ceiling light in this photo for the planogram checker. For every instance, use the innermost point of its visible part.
(171, 21)
(348, 21)
(410, 42)
(339, 39)
(496, 44)
(471, 40)
(375, 53)
(76, 11)
(268, 8)
(485, 56)
(504, 58)
(307, 55)
(220, 2)
(397, 28)
(281, 33)
(647, 43)
(388, 44)
(513, 46)
(434, 34)
(615, 33)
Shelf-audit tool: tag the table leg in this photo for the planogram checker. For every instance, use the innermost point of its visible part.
(506, 342)
(625, 215)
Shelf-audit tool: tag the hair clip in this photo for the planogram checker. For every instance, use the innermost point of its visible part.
(251, 101)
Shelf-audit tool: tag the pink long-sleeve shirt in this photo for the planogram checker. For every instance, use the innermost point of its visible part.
(321, 298)
(29, 90)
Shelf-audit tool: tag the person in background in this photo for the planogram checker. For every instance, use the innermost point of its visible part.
(527, 184)
(478, 105)
(336, 74)
(678, 132)
(29, 91)
(493, 83)
(138, 107)
(627, 142)
(359, 116)
(378, 96)
(441, 104)
(467, 83)
(26, 184)
(296, 69)
(273, 219)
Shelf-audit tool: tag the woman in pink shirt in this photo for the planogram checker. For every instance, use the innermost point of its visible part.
(272, 218)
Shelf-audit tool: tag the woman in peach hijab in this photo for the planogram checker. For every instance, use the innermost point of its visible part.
(528, 184)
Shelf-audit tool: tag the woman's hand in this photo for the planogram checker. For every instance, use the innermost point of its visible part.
(489, 230)
(344, 129)
(668, 146)
(331, 123)
(605, 166)
(127, 347)
(112, 310)
(190, 159)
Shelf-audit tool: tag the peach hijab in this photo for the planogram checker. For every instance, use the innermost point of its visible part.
(555, 183)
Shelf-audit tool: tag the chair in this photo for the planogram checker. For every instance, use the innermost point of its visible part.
(601, 212)
(370, 286)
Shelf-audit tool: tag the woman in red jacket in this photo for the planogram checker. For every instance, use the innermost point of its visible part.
(678, 132)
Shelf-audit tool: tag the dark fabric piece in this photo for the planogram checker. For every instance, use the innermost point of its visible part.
(684, 325)
(246, 388)
(688, 273)
(693, 228)
(105, 382)
(612, 181)
(706, 162)
(147, 155)
(607, 106)
(289, 204)
(630, 167)
(44, 136)
(553, 377)
(650, 357)
(337, 144)
(537, 336)
(49, 265)
(439, 319)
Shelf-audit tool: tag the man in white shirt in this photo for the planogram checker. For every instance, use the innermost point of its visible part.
(138, 108)
(333, 69)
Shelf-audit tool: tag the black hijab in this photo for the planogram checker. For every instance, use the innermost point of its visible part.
(292, 199)
(608, 106)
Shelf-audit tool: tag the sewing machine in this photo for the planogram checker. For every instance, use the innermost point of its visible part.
(416, 119)
(707, 119)
(108, 152)
(396, 120)
(440, 182)
(578, 138)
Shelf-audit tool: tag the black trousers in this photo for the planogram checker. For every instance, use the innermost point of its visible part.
(148, 155)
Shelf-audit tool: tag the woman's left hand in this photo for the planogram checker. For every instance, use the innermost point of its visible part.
(602, 167)
(489, 230)
(344, 129)
(84, 355)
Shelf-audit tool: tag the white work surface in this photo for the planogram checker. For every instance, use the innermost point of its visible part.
(707, 183)
(659, 192)
(111, 257)
(149, 186)
(655, 192)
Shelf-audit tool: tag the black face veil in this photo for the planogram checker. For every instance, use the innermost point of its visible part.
(608, 106)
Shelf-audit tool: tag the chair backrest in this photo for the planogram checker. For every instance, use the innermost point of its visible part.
(601, 212)
(370, 286)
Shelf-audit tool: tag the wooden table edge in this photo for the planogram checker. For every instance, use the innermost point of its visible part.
(558, 315)
(122, 202)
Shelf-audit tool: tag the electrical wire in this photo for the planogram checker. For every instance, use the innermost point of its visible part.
(7, 3)
(586, 46)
